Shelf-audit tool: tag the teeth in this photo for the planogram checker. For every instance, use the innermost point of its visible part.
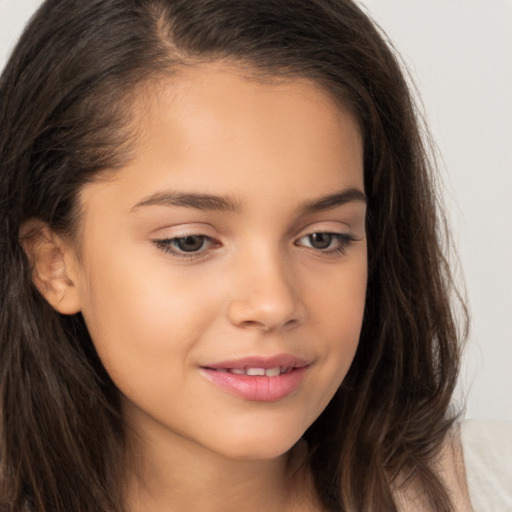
(258, 372)
(255, 371)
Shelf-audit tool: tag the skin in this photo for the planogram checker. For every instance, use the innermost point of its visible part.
(260, 288)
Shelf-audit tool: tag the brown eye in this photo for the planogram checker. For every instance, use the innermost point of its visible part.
(326, 244)
(190, 243)
(320, 240)
(187, 246)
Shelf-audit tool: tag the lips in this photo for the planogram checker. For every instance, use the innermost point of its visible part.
(264, 379)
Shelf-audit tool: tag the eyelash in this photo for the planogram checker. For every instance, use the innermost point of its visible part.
(169, 245)
(344, 241)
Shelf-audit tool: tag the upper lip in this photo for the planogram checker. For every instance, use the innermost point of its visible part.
(279, 360)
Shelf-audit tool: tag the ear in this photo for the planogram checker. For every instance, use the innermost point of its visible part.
(54, 266)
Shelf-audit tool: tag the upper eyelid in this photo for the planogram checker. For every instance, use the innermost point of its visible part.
(325, 229)
(205, 228)
(182, 230)
(200, 232)
(325, 225)
(186, 234)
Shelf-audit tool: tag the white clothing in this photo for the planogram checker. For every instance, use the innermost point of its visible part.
(487, 450)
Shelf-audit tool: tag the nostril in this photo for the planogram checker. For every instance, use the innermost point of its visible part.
(264, 319)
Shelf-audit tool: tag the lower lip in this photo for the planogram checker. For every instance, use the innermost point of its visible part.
(257, 388)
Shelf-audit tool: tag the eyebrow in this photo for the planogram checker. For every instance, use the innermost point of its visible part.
(191, 200)
(211, 202)
(333, 200)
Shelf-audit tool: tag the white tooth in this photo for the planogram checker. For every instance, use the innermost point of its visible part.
(272, 372)
(255, 371)
(238, 371)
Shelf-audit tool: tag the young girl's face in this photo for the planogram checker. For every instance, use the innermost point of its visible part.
(222, 273)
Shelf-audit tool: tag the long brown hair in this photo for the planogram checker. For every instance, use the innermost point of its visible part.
(64, 113)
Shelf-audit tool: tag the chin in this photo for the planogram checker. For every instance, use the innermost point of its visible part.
(262, 445)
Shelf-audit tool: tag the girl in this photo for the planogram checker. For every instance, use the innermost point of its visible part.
(223, 285)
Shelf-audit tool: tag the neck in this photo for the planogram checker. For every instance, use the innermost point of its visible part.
(186, 476)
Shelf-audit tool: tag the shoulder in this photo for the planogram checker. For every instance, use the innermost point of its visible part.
(487, 452)
(449, 467)
(475, 466)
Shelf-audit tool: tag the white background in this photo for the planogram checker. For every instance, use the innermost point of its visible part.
(459, 53)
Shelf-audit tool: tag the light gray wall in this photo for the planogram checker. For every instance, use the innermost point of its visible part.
(460, 56)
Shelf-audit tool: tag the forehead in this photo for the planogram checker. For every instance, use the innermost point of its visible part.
(218, 103)
(220, 128)
(220, 87)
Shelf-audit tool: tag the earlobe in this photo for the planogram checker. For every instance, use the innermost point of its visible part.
(50, 257)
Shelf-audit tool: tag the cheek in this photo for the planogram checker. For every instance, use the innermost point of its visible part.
(338, 314)
(137, 311)
(339, 300)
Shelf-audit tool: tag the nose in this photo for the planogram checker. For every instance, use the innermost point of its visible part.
(266, 295)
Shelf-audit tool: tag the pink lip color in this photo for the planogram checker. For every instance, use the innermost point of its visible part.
(258, 388)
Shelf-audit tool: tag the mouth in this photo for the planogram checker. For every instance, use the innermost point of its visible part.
(255, 371)
(262, 379)
(259, 366)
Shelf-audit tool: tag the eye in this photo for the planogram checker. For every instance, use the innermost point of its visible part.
(326, 242)
(190, 243)
(320, 240)
(186, 246)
